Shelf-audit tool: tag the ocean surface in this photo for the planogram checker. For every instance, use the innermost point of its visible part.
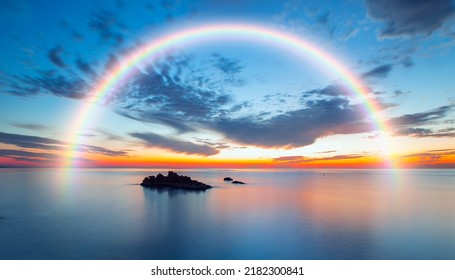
(278, 214)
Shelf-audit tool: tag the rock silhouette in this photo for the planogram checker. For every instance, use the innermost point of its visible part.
(238, 182)
(228, 179)
(173, 181)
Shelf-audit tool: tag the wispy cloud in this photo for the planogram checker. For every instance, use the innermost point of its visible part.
(30, 126)
(381, 71)
(41, 158)
(49, 144)
(51, 82)
(107, 25)
(175, 145)
(55, 56)
(404, 18)
(423, 117)
(302, 159)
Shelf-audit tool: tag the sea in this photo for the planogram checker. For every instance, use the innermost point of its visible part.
(79, 214)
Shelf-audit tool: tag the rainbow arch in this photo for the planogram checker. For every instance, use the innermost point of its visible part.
(192, 35)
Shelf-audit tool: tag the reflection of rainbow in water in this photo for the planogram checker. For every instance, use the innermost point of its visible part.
(128, 67)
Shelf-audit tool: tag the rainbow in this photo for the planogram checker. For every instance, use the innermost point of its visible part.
(198, 34)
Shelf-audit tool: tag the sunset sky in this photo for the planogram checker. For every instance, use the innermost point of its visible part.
(231, 102)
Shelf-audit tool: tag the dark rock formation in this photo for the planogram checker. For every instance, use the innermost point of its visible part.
(173, 181)
(237, 182)
(228, 179)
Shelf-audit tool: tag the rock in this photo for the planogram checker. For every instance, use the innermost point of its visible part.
(173, 181)
(228, 179)
(237, 182)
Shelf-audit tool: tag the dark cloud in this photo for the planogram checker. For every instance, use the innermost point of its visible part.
(48, 144)
(160, 95)
(297, 128)
(230, 67)
(111, 136)
(107, 25)
(381, 71)
(323, 19)
(54, 56)
(102, 151)
(399, 92)
(326, 152)
(416, 132)
(426, 132)
(411, 124)
(20, 155)
(85, 67)
(164, 118)
(27, 141)
(41, 158)
(332, 90)
(407, 62)
(155, 140)
(51, 82)
(409, 18)
(422, 118)
(30, 126)
(217, 144)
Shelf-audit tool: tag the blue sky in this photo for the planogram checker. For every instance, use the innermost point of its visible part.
(224, 101)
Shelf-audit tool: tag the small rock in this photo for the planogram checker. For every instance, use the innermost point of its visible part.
(228, 179)
(237, 182)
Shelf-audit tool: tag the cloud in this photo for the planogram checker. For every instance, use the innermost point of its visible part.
(333, 90)
(27, 155)
(55, 56)
(426, 132)
(34, 157)
(155, 140)
(433, 158)
(406, 18)
(289, 159)
(423, 117)
(102, 151)
(51, 82)
(301, 159)
(399, 93)
(226, 65)
(106, 24)
(34, 142)
(159, 95)
(48, 144)
(411, 124)
(381, 71)
(230, 67)
(326, 152)
(30, 126)
(296, 128)
(407, 62)
(85, 67)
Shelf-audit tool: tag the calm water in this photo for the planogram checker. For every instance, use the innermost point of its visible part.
(344, 214)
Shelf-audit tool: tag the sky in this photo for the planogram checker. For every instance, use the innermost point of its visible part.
(228, 101)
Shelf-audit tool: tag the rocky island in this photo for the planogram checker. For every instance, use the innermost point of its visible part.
(173, 181)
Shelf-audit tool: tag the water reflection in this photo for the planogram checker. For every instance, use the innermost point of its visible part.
(276, 215)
